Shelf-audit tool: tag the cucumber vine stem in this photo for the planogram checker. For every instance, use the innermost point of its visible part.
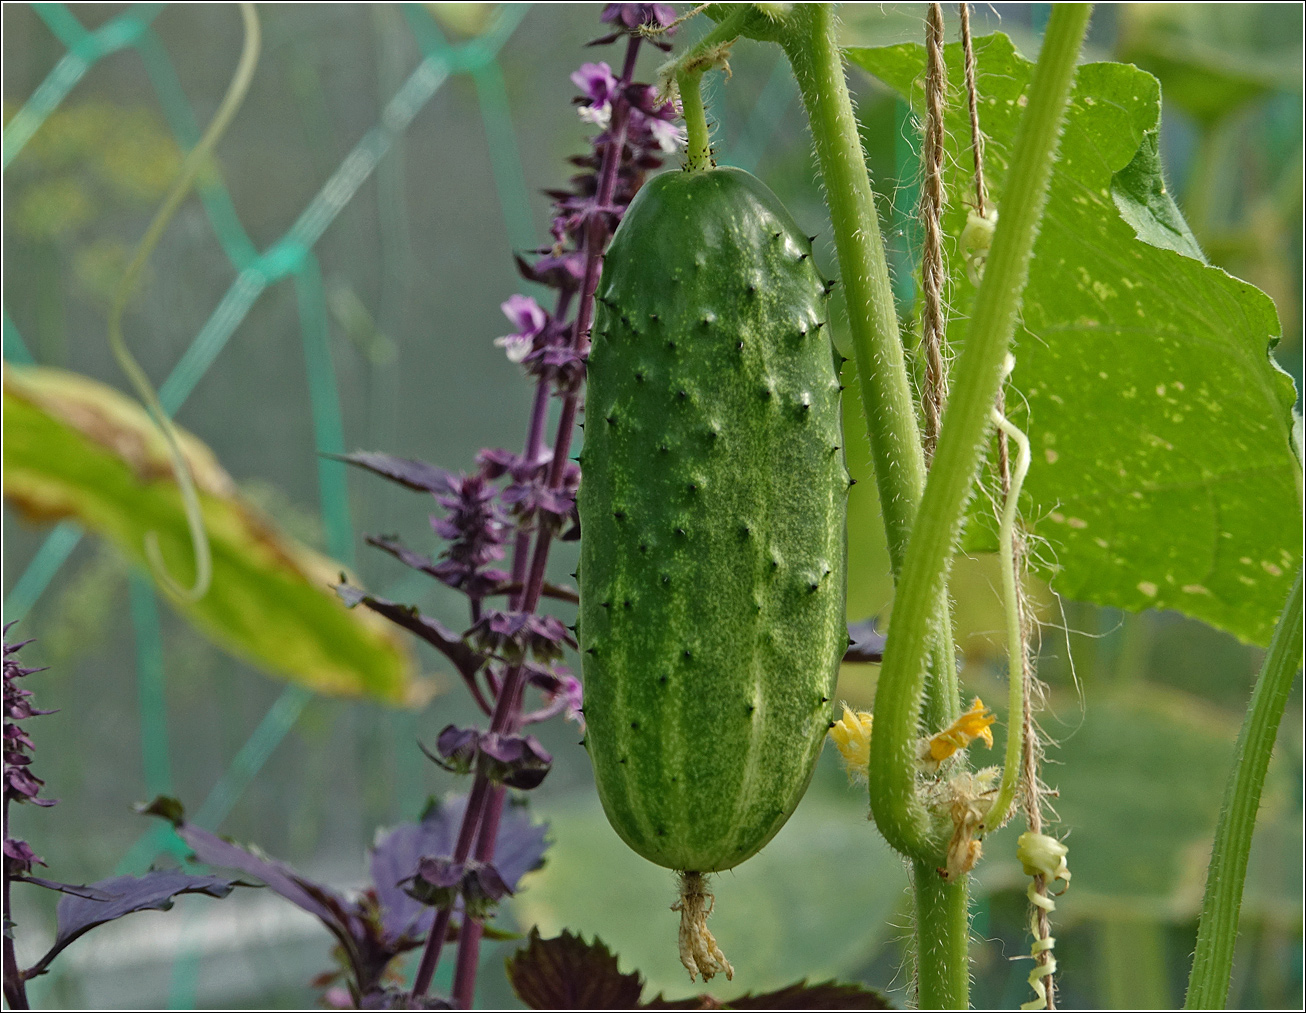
(977, 374)
(1217, 931)
(942, 938)
(942, 929)
(891, 421)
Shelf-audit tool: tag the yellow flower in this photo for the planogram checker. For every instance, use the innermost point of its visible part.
(972, 725)
(851, 735)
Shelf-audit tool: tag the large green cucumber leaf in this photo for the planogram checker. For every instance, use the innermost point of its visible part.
(1163, 471)
(77, 449)
(815, 903)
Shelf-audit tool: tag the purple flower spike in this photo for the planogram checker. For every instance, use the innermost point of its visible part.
(477, 531)
(20, 784)
(530, 320)
(528, 499)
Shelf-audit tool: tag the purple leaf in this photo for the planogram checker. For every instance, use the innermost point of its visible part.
(443, 640)
(568, 973)
(154, 891)
(416, 475)
(85, 892)
(396, 855)
(325, 905)
(800, 995)
(354, 925)
(404, 554)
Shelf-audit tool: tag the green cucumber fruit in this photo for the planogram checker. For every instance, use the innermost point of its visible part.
(713, 514)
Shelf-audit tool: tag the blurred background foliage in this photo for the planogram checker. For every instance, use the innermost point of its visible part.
(412, 270)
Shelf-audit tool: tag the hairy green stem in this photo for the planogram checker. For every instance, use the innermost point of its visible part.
(1015, 642)
(942, 938)
(1217, 931)
(698, 149)
(877, 347)
(687, 71)
(891, 420)
(976, 375)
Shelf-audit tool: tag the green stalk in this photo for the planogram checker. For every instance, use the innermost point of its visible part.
(891, 422)
(942, 935)
(698, 149)
(877, 348)
(687, 70)
(977, 374)
(1208, 984)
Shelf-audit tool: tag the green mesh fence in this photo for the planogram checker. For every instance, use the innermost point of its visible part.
(292, 257)
(289, 257)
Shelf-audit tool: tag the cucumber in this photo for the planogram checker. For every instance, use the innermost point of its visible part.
(713, 514)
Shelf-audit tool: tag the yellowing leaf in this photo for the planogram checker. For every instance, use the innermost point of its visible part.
(77, 449)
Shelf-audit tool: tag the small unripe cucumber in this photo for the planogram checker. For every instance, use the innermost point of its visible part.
(713, 514)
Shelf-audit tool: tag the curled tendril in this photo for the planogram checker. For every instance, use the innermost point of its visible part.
(1011, 606)
(190, 168)
(1041, 855)
(1045, 961)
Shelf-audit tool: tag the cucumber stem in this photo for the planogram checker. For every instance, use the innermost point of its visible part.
(977, 374)
(891, 420)
(698, 148)
(881, 370)
(1217, 931)
(942, 938)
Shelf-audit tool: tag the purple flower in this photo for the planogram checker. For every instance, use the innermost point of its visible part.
(668, 137)
(530, 320)
(562, 695)
(482, 888)
(629, 18)
(439, 881)
(436, 882)
(598, 85)
(19, 857)
(457, 748)
(518, 761)
(512, 635)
